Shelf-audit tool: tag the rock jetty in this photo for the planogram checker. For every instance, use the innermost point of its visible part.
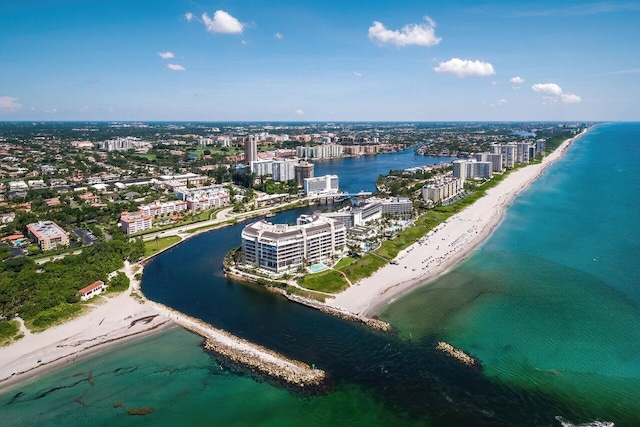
(457, 354)
(377, 324)
(245, 353)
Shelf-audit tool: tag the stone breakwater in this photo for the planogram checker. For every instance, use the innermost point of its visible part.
(377, 324)
(457, 354)
(341, 313)
(246, 353)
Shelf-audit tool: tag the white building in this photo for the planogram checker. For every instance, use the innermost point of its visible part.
(262, 167)
(327, 184)
(522, 152)
(92, 290)
(157, 208)
(202, 198)
(357, 215)
(281, 247)
(328, 151)
(442, 189)
(471, 168)
(397, 206)
(284, 170)
(509, 154)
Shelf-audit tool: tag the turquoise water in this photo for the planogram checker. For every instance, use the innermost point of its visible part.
(550, 305)
(551, 302)
(184, 386)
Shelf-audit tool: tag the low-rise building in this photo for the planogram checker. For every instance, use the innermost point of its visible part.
(158, 209)
(213, 196)
(7, 217)
(48, 235)
(92, 290)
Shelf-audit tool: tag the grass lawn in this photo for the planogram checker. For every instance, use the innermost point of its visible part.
(363, 267)
(153, 246)
(305, 294)
(329, 281)
(344, 262)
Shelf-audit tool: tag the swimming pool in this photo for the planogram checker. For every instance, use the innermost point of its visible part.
(316, 268)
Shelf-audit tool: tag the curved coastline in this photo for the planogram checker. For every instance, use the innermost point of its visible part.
(459, 236)
(116, 320)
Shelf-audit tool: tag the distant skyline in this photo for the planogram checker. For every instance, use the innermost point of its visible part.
(319, 60)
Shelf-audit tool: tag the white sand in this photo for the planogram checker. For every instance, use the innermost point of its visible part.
(105, 325)
(445, 246)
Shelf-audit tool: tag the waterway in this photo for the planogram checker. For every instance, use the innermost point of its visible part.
(556, 332)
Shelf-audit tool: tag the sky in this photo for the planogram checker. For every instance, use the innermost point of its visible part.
(319, 60)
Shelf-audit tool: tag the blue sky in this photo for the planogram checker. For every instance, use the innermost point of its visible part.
(319, 60)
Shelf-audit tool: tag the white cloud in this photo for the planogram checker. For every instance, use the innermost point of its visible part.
(176, 67)
(516, 88)
(243, 42)
(166, 55)
(548, 88)
(278, 36)
(499, 102)
(570, 98)
(222, 23)
(411, 34)
(188, 16)
(51, 111)
(465, 68)
(9, 103)
(494, 83)
(299, 112)
(356, 74)
(555, 91)
(516, 79)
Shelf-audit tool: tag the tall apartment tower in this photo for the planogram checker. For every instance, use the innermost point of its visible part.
(303, 170)
(250, 150)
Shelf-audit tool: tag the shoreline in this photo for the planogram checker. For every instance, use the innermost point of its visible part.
(128, 318)
(459, 236)
(111, 321)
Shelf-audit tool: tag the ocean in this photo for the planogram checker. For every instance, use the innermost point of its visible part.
(549, 305)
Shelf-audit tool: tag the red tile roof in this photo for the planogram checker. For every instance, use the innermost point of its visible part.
(91, 287)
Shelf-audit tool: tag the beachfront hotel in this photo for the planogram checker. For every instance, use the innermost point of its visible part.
(48, 235)
(327, 184)
(281, 247)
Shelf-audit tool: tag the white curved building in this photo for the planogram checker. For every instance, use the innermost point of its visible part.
(281, 247)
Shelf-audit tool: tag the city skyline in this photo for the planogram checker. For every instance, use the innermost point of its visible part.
(322, 61)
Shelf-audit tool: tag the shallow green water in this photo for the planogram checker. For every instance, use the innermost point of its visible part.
(551, 301)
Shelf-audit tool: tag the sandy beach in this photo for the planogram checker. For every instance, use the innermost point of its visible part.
(444, 246)
(110, 321)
